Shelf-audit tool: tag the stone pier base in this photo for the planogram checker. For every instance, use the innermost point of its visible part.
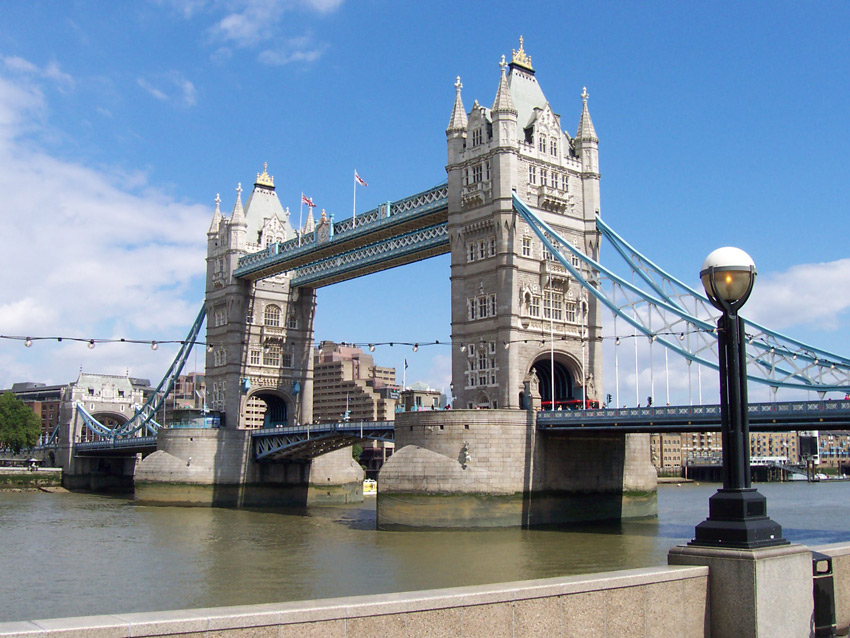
(491, 468)
(214, 467)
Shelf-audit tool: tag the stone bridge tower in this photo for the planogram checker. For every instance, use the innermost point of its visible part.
(514, 308)
(259, 334)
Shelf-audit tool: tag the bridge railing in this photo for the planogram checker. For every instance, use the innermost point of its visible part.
(318, 428)
(117, 443)
(386, 214)
(812, 414)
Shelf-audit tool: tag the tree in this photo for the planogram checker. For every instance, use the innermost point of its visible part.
(19, 425)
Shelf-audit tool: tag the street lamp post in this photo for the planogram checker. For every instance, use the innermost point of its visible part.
(737, 512)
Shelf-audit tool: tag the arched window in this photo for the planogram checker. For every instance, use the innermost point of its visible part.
(271, 316)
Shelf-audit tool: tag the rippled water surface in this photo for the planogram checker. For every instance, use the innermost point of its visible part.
(80, 554)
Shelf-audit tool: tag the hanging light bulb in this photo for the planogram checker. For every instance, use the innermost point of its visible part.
(655, 337)
(209, 347)
(28, 342)
(794, 357)
(462, 348)
(154, 345)
(371, 347)
(682, 337)
(617, 341)
(91, 344)
(507, 344)
(415, 347)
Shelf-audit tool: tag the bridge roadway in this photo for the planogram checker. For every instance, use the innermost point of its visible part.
(308, 441)
(393, 234)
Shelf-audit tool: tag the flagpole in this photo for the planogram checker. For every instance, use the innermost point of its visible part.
(300, 219)
(354, 206)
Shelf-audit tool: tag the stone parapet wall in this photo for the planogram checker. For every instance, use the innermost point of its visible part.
(662, 602)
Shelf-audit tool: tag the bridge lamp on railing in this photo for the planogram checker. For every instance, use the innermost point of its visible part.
(737, 512)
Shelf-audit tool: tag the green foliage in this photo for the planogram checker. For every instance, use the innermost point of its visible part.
(19, 425)
(356, 452)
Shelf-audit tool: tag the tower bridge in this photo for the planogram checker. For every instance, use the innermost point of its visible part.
(520, 216)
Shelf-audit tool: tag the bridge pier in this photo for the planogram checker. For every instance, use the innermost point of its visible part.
(492, 468)
(215, 467)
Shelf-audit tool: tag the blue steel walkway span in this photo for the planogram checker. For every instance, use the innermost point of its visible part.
(125, 446)
(394, 234)
(309, 441)
(763, 417)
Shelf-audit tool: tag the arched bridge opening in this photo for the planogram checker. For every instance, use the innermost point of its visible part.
(556, 383)
(267, 408)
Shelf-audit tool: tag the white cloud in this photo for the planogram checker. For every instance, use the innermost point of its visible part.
(296, 50)
(170, 87)
(252, 24)
(813, 295)
(51, 72)
(87, 253)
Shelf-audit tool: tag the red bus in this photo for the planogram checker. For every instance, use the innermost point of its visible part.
(571, 404)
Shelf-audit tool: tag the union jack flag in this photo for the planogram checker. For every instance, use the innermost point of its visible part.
(307, 200)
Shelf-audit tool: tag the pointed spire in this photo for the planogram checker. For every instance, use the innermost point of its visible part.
(310, 224)
(504, 103)
(586, 132)
(216, 220)
(238, 216)
(458, 120)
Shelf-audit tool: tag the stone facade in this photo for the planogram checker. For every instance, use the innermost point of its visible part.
(513, 306)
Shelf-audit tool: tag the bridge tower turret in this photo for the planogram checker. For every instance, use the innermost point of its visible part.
(514, 308)
(259, 334)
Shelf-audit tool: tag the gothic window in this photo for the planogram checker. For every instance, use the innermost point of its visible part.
(271, 357)
(553, 146)
(271, 316)
(482, 360)
(287, 359)
(487, 170)
(220, 317)
(526, 246)
(470, 255)
(491, 348)
(268, 242)
(471, 350)
(492, 303)
(570, 311)
(541, 143)
(292, 322)
(544, 177)
(534, 306)
(470, 303)
(552, 305)
(476, 173)
(564, 182)
(492, 246)
(574, 258)
(255, 357)
(482, 307)
(532, 174)
(476, 137)
(220, 357)
(482, 250)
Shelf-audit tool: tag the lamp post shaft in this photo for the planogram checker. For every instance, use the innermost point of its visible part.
(733, 402)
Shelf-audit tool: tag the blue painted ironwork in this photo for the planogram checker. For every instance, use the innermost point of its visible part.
(779, 416)
(682, 320)
(403, 249)
(128, 445)
(388, 220)
(310, 441)
(144, 415)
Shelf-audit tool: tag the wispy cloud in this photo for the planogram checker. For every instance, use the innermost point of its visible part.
(170, 87)
(254, 24)
(51, 71)
(813, 295)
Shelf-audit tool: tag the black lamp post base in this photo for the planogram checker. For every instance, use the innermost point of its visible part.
(737, 518)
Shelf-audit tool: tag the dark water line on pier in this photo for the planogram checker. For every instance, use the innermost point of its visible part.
(78, 554)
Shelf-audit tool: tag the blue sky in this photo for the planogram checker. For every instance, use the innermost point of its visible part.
(719, 123)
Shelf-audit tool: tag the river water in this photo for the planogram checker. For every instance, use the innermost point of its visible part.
(83, 554)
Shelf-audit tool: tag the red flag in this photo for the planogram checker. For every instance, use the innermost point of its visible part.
(307, 200)
(359, 179)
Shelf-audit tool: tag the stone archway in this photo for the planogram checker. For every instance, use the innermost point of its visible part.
(564, 385)
(267, 408)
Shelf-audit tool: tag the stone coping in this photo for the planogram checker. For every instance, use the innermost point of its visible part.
(275, 614)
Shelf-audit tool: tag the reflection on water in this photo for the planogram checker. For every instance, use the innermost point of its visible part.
(78, 554)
